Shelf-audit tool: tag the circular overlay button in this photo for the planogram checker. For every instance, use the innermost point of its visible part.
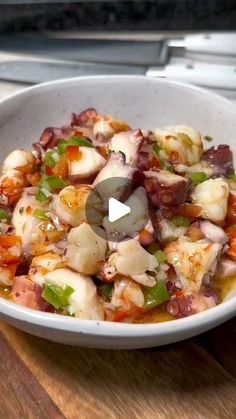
(119, 207)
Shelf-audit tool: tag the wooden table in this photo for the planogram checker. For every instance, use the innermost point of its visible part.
(194, 379)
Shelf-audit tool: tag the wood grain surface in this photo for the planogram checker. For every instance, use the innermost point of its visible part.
(191, 379)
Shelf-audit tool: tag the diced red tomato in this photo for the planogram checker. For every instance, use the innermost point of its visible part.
(72, 153)
(12, 187)
(61, 168)
(231, 233)
(8, 257)
(120, 315)
(155, 163)
(49, 171)
(231, 213)
(9, 241)
(78, 134)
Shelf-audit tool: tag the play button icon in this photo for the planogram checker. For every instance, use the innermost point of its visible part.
(116, 210)
(119, 207)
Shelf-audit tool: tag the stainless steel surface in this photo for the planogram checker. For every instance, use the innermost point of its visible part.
(119, 51)
(206, 75)
(172, 38)
(99, 51)
(33, 72)
(217, 43)
(25, 65)
(117, 35)
(38, 72)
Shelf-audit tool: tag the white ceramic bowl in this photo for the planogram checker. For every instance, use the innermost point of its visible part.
(143, 103)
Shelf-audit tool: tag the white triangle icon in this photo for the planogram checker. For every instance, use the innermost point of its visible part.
(116, 210)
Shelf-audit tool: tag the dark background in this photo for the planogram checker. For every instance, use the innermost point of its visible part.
(119, 15)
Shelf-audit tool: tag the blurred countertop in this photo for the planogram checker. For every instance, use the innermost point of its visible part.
(117, 15)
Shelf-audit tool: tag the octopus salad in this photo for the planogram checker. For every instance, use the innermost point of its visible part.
(53, 259)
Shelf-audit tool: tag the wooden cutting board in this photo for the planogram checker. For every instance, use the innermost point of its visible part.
(191, 379)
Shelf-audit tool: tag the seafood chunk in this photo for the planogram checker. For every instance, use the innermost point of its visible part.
(88, 163)
(85, 118)
(51, 137)
(119, 177)
(105, 127)
(192, 260)
(86, 249)
(24, 222)
(200, 167)
(166, 190)
(70, 205)
(28, 294)
(127, 294)
(212, 195)
(182, 144)
(12, 183)
(226, 268)
(83, 302)
(221, 160)
(18, 159)
(6, 277)
(128, 143)
(168, 232)
(115, 167)
(214, 233)
(42, 264)
(133, 261)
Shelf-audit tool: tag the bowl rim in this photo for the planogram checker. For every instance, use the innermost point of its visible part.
(100, 78)
(218, 314)
(215, 315)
